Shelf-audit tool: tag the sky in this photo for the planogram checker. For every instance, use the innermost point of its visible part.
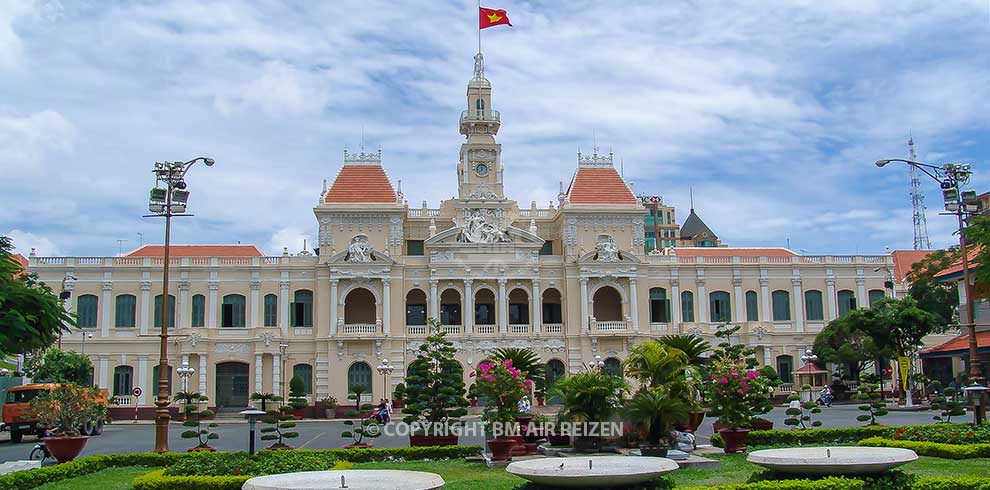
(772, 111)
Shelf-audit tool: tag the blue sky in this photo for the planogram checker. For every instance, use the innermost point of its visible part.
(772, 111)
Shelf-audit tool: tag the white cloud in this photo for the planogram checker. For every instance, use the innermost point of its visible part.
(29, 144)
(25, 241)
(279, 89)
(291, 239)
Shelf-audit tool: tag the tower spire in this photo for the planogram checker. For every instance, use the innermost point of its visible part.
(691, 194)
(921, 241)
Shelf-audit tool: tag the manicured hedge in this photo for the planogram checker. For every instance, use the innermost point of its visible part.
(23, 480)
(833, 483)
(933, 449)
(956, 483)
(156, 480)
(811, 436)
(945, 433)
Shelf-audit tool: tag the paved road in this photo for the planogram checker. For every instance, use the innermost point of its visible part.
(123, 437)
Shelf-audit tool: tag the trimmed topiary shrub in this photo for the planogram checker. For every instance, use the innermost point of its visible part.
(933, 449)
(955, 483)
(850, 435)
(830, 483)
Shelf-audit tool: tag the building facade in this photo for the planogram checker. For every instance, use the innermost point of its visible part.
(568, 282)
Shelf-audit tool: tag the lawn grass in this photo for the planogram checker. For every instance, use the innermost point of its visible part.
(108, 479)
(461, 475)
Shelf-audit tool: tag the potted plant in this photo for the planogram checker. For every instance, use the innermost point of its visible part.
(666, 394)
(657, 411)
(327, 406)
(363, 434)
(399, 395)
(531, 369)
(503, 386)
(265, 399)
(64, 410)
(202, 432)
(297, 396)
(435, 394)
(732, 392)
(278, 423)
(186, 398)
(589, 397)
(472, 395)
(695, 348)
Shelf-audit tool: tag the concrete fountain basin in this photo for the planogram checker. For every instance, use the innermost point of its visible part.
(349, 479)
(836, 460)
(591, 472)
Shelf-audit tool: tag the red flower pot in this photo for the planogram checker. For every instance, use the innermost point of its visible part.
(695, 417)
(501, 449)
(474, 402)
(65, 448)
(734, 439)
(419, 441)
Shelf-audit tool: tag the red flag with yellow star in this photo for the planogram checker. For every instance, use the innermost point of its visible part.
(492, 17)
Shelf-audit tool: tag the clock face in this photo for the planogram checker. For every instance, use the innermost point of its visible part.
(481, 169)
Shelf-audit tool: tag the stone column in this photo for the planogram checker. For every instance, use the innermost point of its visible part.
(277, 374)
(108, 306)
(633, 304)
(386, 305)
(283, 307)
(104, 372)
(830, 293)
(202, 373)
(182, 310)
(768, 356)
(862, 300)
(469, 306)
(142, 379)
(584, 304)
(702, 301)
(537, 302)
(434, 302)
(798, 303)
(258, 366)
(503, 307)
(145, 306)
(333, 306)
(739, 313)
(765, 313)
(212, 306)
(255, 304)
(675, 304)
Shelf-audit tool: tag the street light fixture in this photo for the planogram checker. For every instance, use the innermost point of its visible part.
(185, 371)
(385, 369)
(282, 348)
(809, 357)
(85, 335)
(164, 203)
(950, 177)
(597, 364)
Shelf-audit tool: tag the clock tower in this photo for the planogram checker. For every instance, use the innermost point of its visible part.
(479, 172)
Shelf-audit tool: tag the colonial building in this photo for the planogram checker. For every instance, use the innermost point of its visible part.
(569, 282)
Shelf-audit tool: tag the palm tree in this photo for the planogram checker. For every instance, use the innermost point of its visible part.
(654, 363)
(691, 345)
(658, 411)
(590, 397)
(525, 361)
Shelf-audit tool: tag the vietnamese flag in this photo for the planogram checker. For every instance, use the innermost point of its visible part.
(492, 17)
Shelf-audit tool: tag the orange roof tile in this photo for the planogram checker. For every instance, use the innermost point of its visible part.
(904, 259)
(198, 251)
(960, 343)
(361, 184)
(599, 186)
(20, 259)
(957, 267)
(732, 252)
(810, 369)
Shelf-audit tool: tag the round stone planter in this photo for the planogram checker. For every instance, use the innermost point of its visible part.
(351, 479)
(65, 448)
(591, 472)
(840, 460)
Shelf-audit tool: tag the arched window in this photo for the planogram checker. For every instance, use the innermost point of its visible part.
(659, 306)
(484, 307)
(781, 305)
(607, 305)
(198, 310)
(271, 310)
(301, 309)
(552, 312)
(720, 309)
(687, 306)
(613, 367)
(876, 295)
(123, 379)
(86, 306)
(450, 307)
(813, 309)
(555, 372)
(359, 307)
(785, 368)
(154, 380)
(124, 309)
(518, 307)
(359, 374)
(479, 106)
(232, 314)
(304, 371)
(752, 307)
(847, 301)
(158, 311)
(416, 307)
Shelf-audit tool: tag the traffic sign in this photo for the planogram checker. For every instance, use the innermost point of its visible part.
(136, 391)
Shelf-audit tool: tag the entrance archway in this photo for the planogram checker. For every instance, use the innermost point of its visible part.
(607, 305)
(232, 382)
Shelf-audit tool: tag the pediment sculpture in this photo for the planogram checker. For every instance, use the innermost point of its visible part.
(606, 249)
(478, 227)
(359, 250)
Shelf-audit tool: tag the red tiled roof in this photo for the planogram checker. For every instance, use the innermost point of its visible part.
(810, 368)
(198, 251)
(732, 252)
(599, 186)
(361, 184)
(960, 343)
(20, 259)
(904, 259)
(957, 267)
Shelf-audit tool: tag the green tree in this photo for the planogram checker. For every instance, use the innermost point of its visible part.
(276, 429)
(297, 393)
(933, 296)
(841, 342)
(977, 233)
(691, 345)
(525, 360)
(435, 383)
(59, 366)
(31, 315)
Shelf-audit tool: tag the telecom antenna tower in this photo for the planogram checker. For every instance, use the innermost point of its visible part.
(918, 205)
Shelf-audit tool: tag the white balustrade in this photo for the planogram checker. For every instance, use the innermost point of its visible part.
(416, 330)
(785, 387)
(360, 328)
(553, 327)
(619, 326)
(485, 329)
(451, 329)
(519, 328)
(122, 400)
(659, 327)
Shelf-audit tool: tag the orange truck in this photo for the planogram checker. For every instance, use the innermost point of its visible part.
(19, 420)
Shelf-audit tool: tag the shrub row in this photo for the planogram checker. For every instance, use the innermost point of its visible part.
(156, 480)
(933, 449)
(956, 483)
(34, 478)
(811, 436)
(945, 433)
(832, 483)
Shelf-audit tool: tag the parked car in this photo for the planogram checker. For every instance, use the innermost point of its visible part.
(20, 421)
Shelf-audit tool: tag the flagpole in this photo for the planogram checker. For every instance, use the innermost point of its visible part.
(479, 27)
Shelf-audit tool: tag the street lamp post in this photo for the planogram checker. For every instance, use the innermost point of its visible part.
(282, 348)
(85, 335)
(185, 371)
(960, 203)
(385, 369)
(596, 364)
(166, 202)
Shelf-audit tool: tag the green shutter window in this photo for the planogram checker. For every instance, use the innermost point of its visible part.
(547, 248)
(86, 306)
(359, 374)
(847, 302)
(781, 305)
(301, 310)
(198, 310)
(304, 371)
(123, 377)
(813, 305)
(271, 310)
(687, 306)
(720, 309)
(752, 307)
(124, 311)
(232, 314)
(659, 306)
(414, 247)
(154, 379)
(876, 295)
(158, 311)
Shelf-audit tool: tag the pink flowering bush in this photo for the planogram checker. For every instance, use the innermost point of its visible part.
(503, 385)
(732, 390)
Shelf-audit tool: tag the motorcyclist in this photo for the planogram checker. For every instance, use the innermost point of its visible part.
(825, 396)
